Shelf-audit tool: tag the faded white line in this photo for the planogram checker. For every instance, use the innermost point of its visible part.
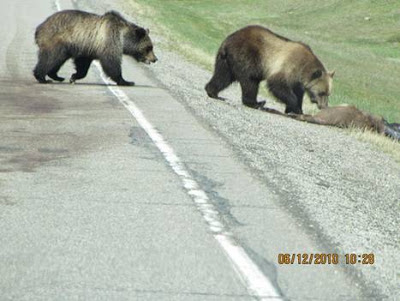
(57, 4)
(258, 285)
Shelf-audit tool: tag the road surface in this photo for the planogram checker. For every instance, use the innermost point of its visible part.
(110, 193)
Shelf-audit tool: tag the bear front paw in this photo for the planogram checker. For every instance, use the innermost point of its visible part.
(125, 83)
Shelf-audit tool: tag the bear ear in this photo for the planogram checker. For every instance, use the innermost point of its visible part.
(316, 74)
(332, 73)
(140, 33)
(148, 32)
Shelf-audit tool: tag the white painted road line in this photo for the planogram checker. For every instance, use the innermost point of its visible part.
(57, 4)
(258, 285)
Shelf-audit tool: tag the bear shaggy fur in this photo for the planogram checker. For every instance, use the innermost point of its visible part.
(254, 53)
(85, 37)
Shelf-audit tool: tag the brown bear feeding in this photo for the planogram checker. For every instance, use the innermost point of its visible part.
(85, 37)
(254, 53)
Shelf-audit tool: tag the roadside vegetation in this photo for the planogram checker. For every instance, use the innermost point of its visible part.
(358, 39)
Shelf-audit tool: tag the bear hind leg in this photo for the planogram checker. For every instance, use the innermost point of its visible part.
(82, 65)
(250, 92)
(50, 61)
(221, 78)
(41, 68)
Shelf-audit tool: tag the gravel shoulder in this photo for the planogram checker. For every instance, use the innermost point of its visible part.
(342, 191)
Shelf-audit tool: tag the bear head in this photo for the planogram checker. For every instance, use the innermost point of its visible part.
(137, 44)
(319, 87)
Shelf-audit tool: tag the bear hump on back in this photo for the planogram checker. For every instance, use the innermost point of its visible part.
(115, 18)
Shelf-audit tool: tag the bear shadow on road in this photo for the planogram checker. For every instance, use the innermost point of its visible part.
(101, 84)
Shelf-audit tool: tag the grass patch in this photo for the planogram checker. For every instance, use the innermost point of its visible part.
(379, 142)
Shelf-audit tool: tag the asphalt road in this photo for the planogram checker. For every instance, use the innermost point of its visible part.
(95, 204)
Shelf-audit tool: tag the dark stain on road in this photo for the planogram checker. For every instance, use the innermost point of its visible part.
(7, 201)
(268, 268)
(29, 104)
(9, 149)
(28, 160)
(53, 150)
(27, 110)
(222, 204)
(139, 137)
(41, 125)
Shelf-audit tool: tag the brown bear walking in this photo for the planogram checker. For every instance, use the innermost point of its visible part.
(85, 37)
(254, 53)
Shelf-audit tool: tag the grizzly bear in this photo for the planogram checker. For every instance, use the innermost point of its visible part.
(86, 37)
(254, 53)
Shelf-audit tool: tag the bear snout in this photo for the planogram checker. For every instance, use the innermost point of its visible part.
(152, 58)
(322, 104)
